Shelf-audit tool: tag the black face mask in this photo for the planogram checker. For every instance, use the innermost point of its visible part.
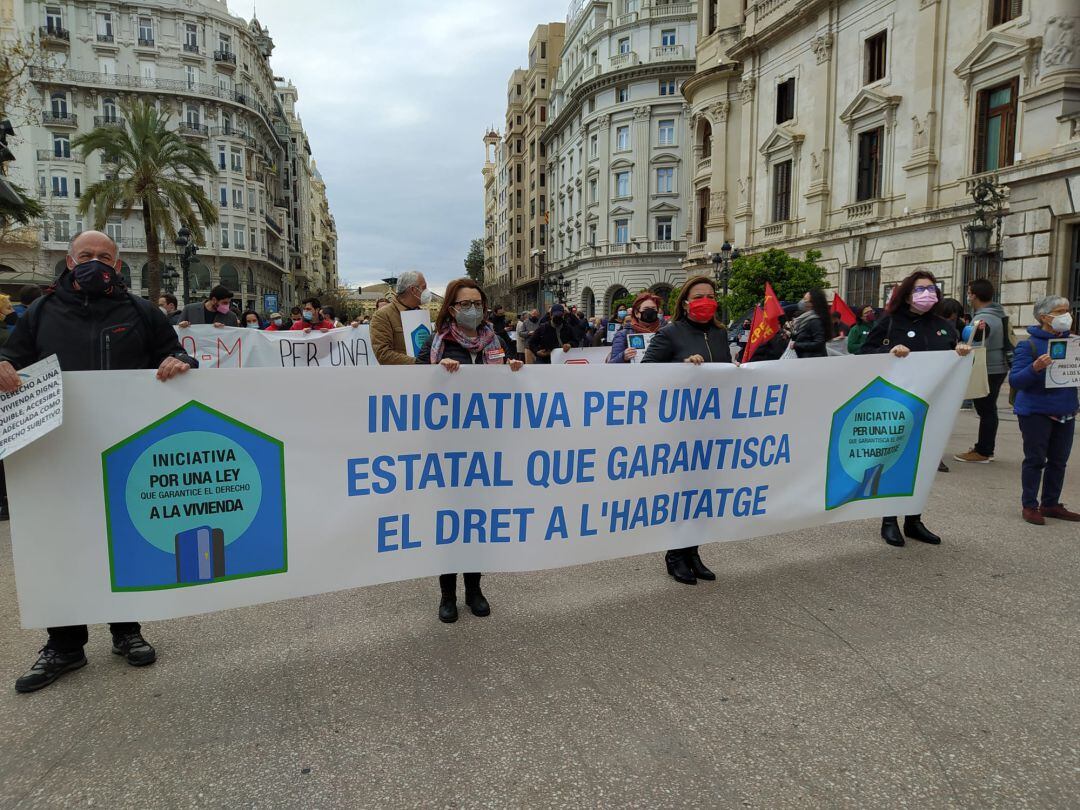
(94, 277)
(648, 316)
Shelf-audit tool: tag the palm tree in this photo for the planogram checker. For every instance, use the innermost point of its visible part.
(157, 170)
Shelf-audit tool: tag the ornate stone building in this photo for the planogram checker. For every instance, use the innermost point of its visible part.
(860, 128)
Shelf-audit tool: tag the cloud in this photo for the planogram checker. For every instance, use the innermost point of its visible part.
(396, 107)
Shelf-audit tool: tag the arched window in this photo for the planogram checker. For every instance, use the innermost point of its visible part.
(108, 109)
(59, 105)
(706, 139)
(229, 277)
(226, 124)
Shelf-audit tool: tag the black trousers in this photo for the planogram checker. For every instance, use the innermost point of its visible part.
(448, 583)
(986, 408)
(73, 637)
(1047, 445)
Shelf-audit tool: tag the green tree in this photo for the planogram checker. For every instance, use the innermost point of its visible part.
(790, 277)
(156, 170)
(17, 57)
(474, 261)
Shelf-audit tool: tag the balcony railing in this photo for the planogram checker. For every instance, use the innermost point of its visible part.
(777, 230)
(275, 259)
(50, 154)
(132, 242)
(106, 39)
(271, 223)
(623, 60)
(54, 33)
(672, 10)
(191, 47)
(867, 209)
(51, 119)
(704, 166)
(146, 42)
(667, 52)
(225, 58)
(109, 121)
(237, 206)
(193, 130)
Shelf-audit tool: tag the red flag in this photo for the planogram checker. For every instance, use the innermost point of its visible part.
(773, 310)
(766, 323)
(847, 317)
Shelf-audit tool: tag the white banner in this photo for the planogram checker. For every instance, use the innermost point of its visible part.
(230, 347)
(34, 408)
(590, 355)
(217, 489)
(1064, 371)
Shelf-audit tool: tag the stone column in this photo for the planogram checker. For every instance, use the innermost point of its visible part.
(642, 141)
(717, 223)
(603, 192)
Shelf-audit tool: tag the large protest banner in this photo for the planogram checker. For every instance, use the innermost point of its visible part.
(214, 490)
(228, 347)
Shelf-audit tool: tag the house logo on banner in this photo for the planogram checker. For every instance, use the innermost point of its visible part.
(194, 498)
(874, 445)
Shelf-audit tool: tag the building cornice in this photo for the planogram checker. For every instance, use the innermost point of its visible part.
(702, 79)
(773, 19)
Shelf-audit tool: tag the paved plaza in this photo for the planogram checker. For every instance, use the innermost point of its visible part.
(823, 669)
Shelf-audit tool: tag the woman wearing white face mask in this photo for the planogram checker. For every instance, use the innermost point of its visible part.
(1047, 416)
(463, 336)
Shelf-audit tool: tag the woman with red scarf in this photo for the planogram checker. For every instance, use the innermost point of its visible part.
(463, 335)
(696, 336)
(644, 319)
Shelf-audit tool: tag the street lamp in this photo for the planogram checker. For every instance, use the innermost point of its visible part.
(988, 199)
(722, 269)
(186, 250)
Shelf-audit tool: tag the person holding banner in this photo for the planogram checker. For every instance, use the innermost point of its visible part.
(695, 335)
(463, 336)
(387, 333)
(216, 310)
(644, 319)
(91, 323)
(812, 329)
(556, 333)
(1047, 416)
(277, 323)
(857, 336)
(250, 320)
(312, 318)
(912, 323)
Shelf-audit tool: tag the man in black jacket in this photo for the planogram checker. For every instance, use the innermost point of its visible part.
(91, 323)
(556, 333)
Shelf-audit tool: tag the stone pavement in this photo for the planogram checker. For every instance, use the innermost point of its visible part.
(823, 669)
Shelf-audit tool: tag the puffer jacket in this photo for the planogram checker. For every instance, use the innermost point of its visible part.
(683, 338)
(1032, 395)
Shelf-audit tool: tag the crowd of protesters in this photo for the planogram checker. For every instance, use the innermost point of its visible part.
(90, 299)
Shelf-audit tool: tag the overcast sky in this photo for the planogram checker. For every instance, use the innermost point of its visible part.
(396, 99)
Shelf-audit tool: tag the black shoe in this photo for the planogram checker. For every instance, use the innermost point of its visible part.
(678, 568)
(697, 567)
(890, 532)
(448, 610)
(49, 666)
(477, 603)
(914, 528)
(134, 648)
(942, 467)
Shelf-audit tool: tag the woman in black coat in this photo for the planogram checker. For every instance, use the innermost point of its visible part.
(812, 329)
(462, 335)
(694, 336)
(912, 322)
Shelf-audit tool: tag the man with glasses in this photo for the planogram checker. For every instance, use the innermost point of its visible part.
(91, 323)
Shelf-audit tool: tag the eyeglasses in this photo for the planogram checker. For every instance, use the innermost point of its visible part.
(468, 303)
(920, 289)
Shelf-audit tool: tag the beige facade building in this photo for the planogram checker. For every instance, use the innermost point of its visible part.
(861, 127)
(324, 265)
(207, 68)
(496, 284)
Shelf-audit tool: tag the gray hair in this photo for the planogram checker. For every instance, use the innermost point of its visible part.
(410, 278)
(1047, 304)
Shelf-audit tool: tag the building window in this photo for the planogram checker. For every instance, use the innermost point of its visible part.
(667, 37)
(781, 196)
(785, 100)
(592, 235)
(868, 173)
(624, 45)
(224, 43)
(667, 87)
(221, 158)
(594, 145)
(61, 228)
(862, 287)
(54, 19)
(61, 146)
(146, 31)
(224, 194)
(58, 105)
(192, 116)
(237, 160)
(622, 138)
(543, 114)
(104, 27)
(622, 94)
(108, 109)
(663, 229)
(59, 186)
(1001, 11)
(995, 127)
(113, 229)
(238, 232)
(592, 190)
(224, 234)
(77, 183)
(622, 231)
(703, 214)
(191, 37)
(665, 180)
(622, 184)
(192, 77)
(876, 53)
(238, 198)
(666, 132)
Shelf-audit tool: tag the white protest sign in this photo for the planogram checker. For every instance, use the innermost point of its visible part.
(228, 347)
(417, 326)
(590, 355)
(215, 491)
(1064, 371)
(639, 342)
(34, 408)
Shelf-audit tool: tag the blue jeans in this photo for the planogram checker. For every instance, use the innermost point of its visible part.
(1047, 444)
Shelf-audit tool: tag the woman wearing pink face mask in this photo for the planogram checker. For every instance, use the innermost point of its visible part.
(912, 323)
(695, 335)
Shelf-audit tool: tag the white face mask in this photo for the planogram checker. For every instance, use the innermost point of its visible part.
(1062, 323)
(425, 297)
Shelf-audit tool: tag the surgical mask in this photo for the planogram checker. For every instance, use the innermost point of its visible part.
(469, 317)
(94, 277)
(223, 309)
(923, 300)
(309, 316)
(648, 316)
(252, 325)
(1062, 323)
(622, 313)
(277, 321)
(804, 306)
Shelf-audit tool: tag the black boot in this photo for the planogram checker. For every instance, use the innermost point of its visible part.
(914, 528)
(678, 568)
(474, 598)
(697, 567)
(890, 532)
(448, 604)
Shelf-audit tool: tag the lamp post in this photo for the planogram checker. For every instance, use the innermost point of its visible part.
(722, 270)
(988, 199)
(186, 250)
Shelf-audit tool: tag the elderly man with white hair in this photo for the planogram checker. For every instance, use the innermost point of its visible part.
(387, 333)
(1047, 416)
(91, 322)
